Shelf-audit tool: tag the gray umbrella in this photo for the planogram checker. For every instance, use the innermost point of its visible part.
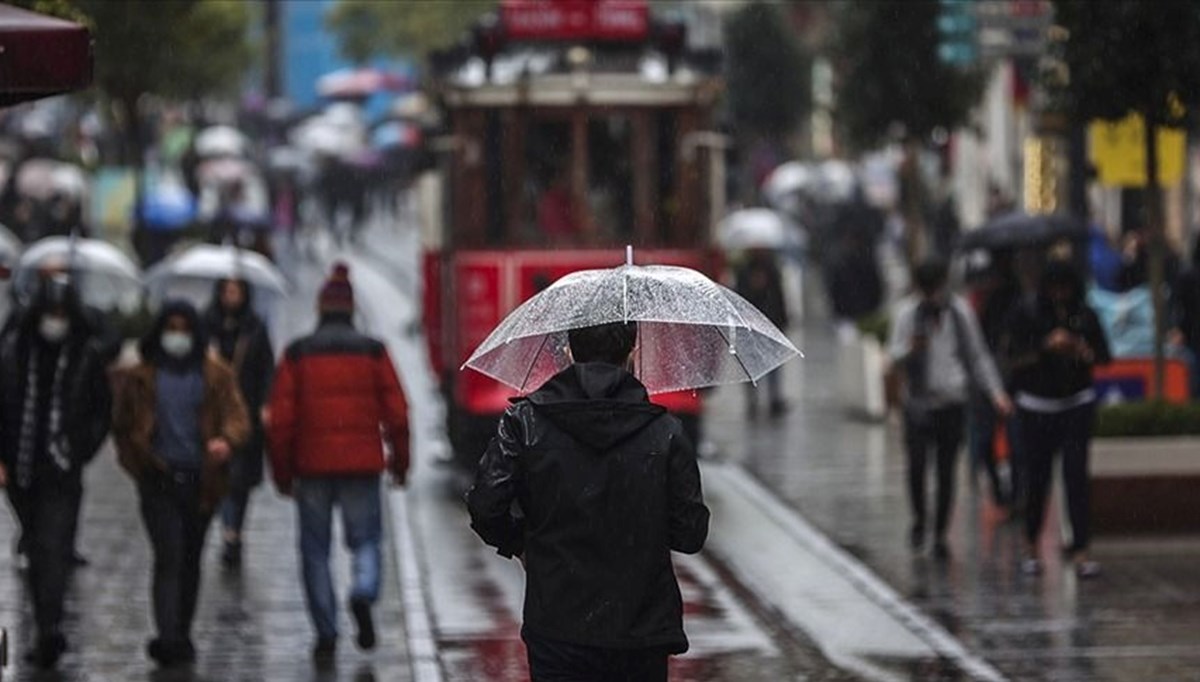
(692, 332)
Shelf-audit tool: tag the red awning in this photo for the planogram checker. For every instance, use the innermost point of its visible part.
(41, 56)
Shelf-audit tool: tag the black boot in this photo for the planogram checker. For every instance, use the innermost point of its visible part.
(231, 555)
(49, 649)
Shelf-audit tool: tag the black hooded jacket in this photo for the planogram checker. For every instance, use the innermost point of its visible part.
(1037, 370)
(593, 486)
(87, 398)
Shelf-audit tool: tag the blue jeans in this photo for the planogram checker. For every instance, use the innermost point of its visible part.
(360, 501)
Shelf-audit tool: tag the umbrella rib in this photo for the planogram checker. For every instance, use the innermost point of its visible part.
(736, 356)
(533, 363)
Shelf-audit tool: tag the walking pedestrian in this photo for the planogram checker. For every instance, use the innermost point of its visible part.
(56, 414)
(1055, 343)
(240, 337)
(937, 342)
(760, 282)
(591, 486)
(337, 410)
(177, 419)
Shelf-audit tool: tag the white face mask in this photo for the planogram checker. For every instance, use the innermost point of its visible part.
(54, 328)
(177, 344)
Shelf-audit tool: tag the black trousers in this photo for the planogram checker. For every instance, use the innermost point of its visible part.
(170, 505)
(939, 430)
(1043, 435)
(48, 513)
(554, 661)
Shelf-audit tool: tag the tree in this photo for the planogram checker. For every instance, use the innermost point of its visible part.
(1131, 56)
(370, 28)
(768, 72)
(891, 82)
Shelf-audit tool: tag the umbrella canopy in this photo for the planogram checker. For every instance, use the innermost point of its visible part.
(41, 179)
(10, 250)
(788, 179)
(42, 56)
(1019, 229)
(170, 207)
(758, 228)
(107, 278)
(359, 83)
(692, 332)
(211, 262)
(225, 170)
(221, 141)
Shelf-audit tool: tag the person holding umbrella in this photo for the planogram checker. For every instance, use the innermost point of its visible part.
(607, 485)
(240, 337)
(56, 399)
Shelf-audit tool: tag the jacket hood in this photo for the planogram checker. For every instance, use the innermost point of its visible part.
(598, 404)
(151, 344)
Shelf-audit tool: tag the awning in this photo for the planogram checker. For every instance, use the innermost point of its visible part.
(41, 56)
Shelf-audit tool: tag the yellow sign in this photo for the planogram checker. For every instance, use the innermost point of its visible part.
(1118, 150)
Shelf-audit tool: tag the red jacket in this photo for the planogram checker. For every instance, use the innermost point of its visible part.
(335, 404)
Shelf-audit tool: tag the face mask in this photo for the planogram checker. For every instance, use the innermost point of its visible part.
(54, 328)
(177, 344)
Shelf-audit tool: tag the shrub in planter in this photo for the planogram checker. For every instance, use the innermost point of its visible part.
(1151, 418)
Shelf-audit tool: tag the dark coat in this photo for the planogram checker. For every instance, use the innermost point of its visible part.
(760, 282)
(335, 402)
(1041, 372)
(606, 485)
(87, 399)
(243, 342)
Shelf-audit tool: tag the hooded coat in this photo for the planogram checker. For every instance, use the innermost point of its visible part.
(222, 411)
(1038, 371)
(87, 399)
(593, 486)
(242, 341)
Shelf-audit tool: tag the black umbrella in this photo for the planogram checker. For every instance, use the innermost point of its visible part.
(1018, 229)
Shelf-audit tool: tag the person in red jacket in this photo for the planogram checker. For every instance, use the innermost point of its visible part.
(336, 411)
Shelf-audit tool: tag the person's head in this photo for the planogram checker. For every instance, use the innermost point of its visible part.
(232, 296)
(610, 343)
(177, 337)
(929, 278)
(55, 310)
(336, 299)
(1061, 283)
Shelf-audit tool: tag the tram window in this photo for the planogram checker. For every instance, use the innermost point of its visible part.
(610, 177)
(551, 210)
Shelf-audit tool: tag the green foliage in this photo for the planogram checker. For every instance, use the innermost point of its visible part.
(1131, 55)
(768, 72)
(889, 73)
(175, 48)
(369, 28)
(1152, 418)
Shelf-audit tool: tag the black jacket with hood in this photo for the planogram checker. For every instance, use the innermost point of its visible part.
(593, 485)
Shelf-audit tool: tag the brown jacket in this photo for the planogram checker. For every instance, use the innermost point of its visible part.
(222, 415)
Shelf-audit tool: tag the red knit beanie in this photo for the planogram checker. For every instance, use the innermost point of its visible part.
(337, 296)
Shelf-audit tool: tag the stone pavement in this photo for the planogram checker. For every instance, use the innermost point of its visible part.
(252, 626)
(1139, 620)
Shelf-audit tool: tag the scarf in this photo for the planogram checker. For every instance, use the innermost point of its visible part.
(56, 447)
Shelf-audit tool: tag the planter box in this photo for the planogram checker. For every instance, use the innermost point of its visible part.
(1145, 484)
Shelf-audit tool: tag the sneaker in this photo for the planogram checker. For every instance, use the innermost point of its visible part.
(916, 538)
(1031, 566)
(361, 608)
(325, 651)
(1087, 568)
(940, 550)
(170, 654)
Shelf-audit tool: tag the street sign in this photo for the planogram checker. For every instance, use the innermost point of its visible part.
(1118, 150)
(957, 40)
(1013, 28)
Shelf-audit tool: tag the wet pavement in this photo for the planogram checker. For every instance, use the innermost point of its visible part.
(1139, 620)
(807, 575)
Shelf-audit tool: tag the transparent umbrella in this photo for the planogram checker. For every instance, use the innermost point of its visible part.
(692, 332)
(758, 228)
(108, 278)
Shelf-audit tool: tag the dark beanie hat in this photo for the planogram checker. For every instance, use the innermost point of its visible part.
(337, 296)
